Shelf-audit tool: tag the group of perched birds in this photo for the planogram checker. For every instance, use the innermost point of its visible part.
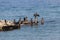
(35, 21)
(24, 21)
(8, 25)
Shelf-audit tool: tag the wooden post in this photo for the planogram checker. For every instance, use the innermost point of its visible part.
(36, 20)
(31, 22)
(42, 21)
(14, 21)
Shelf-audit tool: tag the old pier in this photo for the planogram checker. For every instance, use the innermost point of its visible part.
(6, 25)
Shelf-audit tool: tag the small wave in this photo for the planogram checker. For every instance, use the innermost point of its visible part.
(14, 7)
(29, 9)
(54, 6)
(51, 21)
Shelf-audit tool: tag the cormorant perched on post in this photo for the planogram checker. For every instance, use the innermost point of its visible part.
(6, 22)
(25, 18)
(36, 15)
(19, 23)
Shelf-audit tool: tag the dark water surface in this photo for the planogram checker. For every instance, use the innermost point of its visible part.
(48, 9)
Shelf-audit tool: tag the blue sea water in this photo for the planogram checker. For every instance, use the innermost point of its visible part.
(48, 9)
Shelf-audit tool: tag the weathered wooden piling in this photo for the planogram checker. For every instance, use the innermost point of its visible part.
(42, 21)
(31, 22)
(14, 21)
